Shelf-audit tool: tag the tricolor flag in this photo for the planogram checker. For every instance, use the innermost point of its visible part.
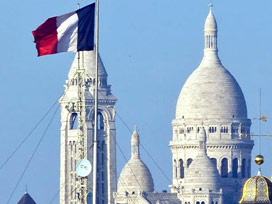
(70, 32)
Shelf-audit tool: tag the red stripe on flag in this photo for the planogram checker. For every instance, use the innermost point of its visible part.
(46, 37)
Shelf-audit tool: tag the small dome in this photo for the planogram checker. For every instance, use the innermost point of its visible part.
(257, 189)
(210, 23)
(135, 177)
(202, 172)
(87, 60)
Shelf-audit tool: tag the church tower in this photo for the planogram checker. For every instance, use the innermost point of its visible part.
(212, 98)
(72, 128)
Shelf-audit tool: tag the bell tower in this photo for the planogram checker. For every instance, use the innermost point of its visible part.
(77, 132)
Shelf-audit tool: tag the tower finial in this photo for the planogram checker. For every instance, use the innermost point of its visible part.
(259, 159)
(210, 5)
(135, 142)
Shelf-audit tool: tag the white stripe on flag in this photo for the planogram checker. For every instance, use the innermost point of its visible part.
(67, 28)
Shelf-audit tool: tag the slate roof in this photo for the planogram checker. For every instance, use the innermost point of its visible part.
(26, 199)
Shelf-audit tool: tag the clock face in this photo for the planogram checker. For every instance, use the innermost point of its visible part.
(83, 168)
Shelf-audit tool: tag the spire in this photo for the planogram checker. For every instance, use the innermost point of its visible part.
(86, 60)
(135, 142)
(202, 139)
(26, 199)
(210, 36)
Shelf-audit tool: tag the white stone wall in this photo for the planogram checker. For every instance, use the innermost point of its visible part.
(230, 145)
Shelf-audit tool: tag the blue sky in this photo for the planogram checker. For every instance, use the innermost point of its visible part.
(149, 48)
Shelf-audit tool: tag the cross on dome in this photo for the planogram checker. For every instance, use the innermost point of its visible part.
(210, 5)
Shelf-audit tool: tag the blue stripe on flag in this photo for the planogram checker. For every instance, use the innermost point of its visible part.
(85, 38)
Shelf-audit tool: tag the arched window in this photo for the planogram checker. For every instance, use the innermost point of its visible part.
(197, 202)
(189, 161)
(243, 168)
(214, 161)
(202, 202)
(235, 168)
(181, 169)
(73, 121)
(224, 168)
(100, 121)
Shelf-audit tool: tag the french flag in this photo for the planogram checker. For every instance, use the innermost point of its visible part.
(70, 32)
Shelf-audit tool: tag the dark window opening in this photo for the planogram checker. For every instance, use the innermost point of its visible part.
(100, 121)
(189, 161)
(214, 161)
(235, 168)
(224, 130)
(181, 169)
(224, 168)
(73, 121)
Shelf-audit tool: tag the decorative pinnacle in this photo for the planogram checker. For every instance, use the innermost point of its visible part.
(259, 159)
(135, 128)
(210, 5)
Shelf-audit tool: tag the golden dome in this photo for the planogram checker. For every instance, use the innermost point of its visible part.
(259, 159)
(257, 190)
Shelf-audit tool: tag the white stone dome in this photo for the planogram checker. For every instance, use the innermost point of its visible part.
(202, 172)
(211, 92)
(135, 177)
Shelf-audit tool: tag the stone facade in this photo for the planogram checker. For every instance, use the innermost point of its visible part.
(106, 138)
(211, 105)
(212, 98)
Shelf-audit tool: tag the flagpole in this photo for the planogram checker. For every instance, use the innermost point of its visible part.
(95, 105)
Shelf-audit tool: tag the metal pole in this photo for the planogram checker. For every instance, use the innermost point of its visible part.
(95, 106)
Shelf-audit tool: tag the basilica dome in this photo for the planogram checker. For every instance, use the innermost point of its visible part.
(211, 92)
